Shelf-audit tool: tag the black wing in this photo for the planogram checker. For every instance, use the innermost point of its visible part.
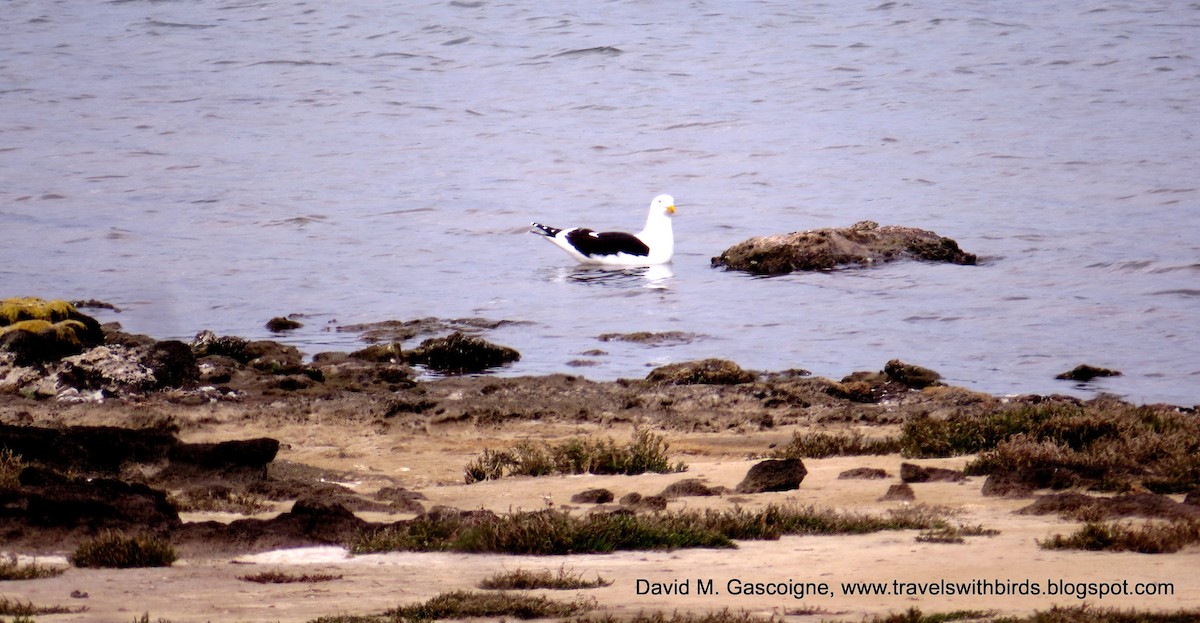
(593, 244)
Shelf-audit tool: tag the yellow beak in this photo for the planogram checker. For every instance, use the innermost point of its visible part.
(670, 209)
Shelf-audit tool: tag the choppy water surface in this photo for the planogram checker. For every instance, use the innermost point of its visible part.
(211, 164)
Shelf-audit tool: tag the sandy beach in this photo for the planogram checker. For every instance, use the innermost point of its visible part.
(420, 437)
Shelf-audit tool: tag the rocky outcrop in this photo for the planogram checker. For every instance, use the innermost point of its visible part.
(459, 353)
(48, 508)
(773, 475)
(109, 451)
(704, 372)
(863, 244)
(897, 378)
(1084, 373)
(39, 331)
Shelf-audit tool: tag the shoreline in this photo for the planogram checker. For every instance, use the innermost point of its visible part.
(351, 428)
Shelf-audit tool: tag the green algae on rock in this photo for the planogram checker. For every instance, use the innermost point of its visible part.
(37, 330)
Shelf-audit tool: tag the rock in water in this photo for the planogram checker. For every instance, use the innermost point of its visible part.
(1084, 373)
(863, 244)
(461, 354)
(773, 475)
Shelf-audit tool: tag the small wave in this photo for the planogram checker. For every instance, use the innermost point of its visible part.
(178, 25)
(287, 62)
(604, 50)
(1177, 292)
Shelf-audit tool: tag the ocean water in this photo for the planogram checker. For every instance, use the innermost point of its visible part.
(212, 164)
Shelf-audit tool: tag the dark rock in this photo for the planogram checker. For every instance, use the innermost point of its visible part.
(910, 472)
(79, 505)
(1192, 498)
(90, 450)
(1085, 372)
(1079, 505)
(773, 475)
(1006, 486)
(311, 521)
(650, 503)
(172, 363)
(863, 244)
(113, 335)
(690, 487)
(380, 353)
(864, 473)
(401, 499)
(461, 354)
(273, 357)
(704, 372)
(280, 324)
(109, 451)
(593, 496)
(242, 453)
(633, 502)
(901, 492)
(208, 343)
(912, 376)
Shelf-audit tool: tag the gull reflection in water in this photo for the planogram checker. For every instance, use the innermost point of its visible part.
(657, 277)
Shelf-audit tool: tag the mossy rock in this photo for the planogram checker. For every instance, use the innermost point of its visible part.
(38, 330)
(1085, 372)
(703, 372)
(912, 376)
(461, 354)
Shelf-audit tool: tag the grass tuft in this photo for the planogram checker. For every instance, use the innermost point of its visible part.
(1106, 444)
(521, 580)
(116, 551)
(953, 534)
(821, 445)
(1116, 536)
(559, 532)
(18, 608)
(219, 500)
(279, 577)
(10, 469)
(468, 604)
(10, 569)
(717, 616)
(645, 452)
(914, 615)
